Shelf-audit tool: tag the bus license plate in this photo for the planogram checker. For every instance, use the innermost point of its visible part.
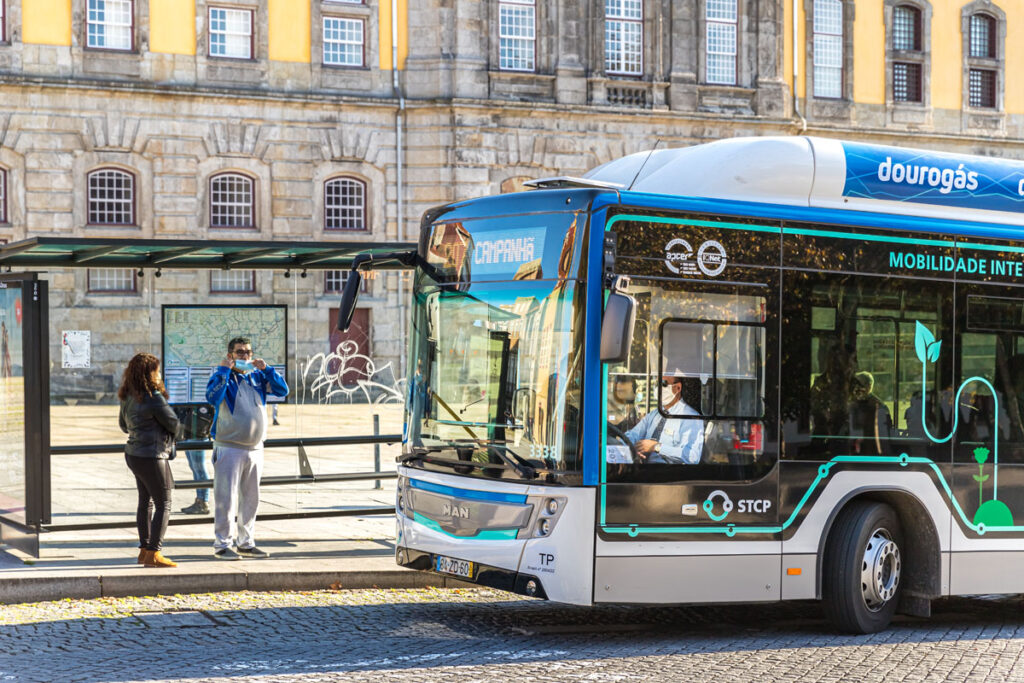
(449, 565)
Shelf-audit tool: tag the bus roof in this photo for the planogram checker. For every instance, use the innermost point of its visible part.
(830, 174)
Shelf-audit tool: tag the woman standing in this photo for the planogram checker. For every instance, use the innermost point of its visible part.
(151, 427)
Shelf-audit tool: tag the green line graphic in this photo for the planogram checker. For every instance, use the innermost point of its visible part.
(991, 516)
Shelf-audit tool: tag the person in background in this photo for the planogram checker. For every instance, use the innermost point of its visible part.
(238, 390)
(622, 403)
(197, 463)
(151, 427)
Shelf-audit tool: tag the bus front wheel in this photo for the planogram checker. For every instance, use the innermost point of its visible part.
(863, 567)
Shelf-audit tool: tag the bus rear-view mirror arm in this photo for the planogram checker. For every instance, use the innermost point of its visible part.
(617, 325)
(350, 295)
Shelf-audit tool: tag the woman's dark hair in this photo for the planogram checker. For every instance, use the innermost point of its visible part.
(138, 380)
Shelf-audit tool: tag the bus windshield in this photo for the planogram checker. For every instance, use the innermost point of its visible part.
(496, 364)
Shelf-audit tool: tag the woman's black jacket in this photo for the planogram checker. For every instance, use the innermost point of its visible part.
(151, 426)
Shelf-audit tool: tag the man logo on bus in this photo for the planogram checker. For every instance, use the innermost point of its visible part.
(711, 258)
(679, 257)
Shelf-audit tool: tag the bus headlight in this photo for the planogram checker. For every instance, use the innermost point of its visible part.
(544, 527)
(551, 507)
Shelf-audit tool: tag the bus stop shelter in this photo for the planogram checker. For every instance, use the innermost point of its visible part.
(40, 420)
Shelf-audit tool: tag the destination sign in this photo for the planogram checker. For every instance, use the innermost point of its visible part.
(507, 250)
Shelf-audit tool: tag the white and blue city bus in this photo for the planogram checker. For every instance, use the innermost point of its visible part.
(752, 370)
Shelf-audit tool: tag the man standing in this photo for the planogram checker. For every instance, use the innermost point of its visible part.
(238, 391)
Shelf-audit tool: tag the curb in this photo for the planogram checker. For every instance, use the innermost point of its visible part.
(142, 582)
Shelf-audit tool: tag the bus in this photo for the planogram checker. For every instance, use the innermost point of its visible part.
(759, 369)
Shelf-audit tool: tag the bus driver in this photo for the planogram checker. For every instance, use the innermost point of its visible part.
(659, 439)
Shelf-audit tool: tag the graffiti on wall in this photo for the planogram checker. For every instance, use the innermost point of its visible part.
(347, 376)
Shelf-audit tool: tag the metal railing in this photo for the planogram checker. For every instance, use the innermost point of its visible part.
(305, 476)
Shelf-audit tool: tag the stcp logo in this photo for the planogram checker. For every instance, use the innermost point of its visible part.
(679, 257)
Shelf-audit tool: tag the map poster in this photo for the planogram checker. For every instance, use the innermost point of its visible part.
(195, 341)
(75, 348)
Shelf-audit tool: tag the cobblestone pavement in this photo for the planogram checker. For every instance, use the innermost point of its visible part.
(478, 635)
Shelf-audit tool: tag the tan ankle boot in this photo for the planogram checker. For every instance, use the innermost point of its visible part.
(142, 555)
(155, 559)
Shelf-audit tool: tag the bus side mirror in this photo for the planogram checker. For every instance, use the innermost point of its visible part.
(349, 297)
(617, 328)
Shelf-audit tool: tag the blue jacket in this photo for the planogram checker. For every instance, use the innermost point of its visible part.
(223, 386)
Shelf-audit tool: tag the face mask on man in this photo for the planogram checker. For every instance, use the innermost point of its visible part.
(244, 366)
(668, 394)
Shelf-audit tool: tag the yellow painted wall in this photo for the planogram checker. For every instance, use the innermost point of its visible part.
(1013, 93)
(947, 55)
(290, 30)
(869, 52)
(385, 33)
(787, 46)
(46, 22)
(173, 26)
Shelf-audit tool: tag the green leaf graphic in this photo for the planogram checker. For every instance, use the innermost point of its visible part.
(933, 351)
(980, 478)
(923, 338)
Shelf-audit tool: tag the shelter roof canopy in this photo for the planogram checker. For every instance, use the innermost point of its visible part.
(89, 252)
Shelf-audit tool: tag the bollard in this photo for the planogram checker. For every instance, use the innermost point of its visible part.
(376, 449)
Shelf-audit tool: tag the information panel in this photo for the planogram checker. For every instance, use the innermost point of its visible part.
(195, 340)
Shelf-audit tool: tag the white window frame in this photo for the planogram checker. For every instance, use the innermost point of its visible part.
(111, 281)
(229, 281)
(517, 35)
(98, 39)
(624, 37)
(342, 43)
(119, 205)
(228, 33)
(231, 205)
(828, 49)
(3, 192)
(334, 281)
(721, 18)
(353, 213)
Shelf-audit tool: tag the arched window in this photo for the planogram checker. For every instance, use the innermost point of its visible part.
(344, 204)
(907, 67)
(983, 65)
(231, 201)
(983, 36)
(111, 197)
(828, 48)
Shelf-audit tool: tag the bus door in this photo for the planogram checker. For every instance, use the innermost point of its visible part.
(690, 423)
(989, 432)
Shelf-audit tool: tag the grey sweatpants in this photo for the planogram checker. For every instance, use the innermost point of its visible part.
(236, 488)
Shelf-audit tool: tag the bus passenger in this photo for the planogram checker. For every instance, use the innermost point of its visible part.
(659, 439)
(622, 403)
(870, 420)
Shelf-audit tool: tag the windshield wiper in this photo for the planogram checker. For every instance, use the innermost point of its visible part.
(523, 468)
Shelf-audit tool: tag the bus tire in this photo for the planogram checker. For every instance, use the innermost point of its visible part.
(863, 567)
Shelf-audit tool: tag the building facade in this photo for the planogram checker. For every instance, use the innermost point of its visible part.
(346, 119)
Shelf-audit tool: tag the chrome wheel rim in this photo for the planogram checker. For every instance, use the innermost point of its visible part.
(880, 570)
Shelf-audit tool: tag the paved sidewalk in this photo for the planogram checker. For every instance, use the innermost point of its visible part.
(306, 554)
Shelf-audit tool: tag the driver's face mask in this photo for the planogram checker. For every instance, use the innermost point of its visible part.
(669, 392)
